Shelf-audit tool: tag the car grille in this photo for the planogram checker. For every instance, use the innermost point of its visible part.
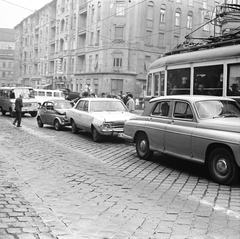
(117, 125)
(27, 105)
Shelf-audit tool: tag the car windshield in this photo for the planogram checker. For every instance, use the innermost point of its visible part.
(217, 108)
(63, 105)
(25, 92)
(97, 106)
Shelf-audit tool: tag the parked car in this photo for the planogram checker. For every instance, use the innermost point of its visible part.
(53, 112)
(203, 129)
(99, 116)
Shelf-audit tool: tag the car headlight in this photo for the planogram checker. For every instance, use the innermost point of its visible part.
(107, 126)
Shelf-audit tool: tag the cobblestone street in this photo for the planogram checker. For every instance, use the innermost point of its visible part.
(60, 185)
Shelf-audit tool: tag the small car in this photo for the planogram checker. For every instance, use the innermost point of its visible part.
(99, 116)
(203, 129)
(53, 112)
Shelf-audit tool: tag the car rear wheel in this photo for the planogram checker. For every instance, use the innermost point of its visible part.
(142, 147)
(57, 125)
(96, 136)
(74, 127)
(222, 166)
(39, 122)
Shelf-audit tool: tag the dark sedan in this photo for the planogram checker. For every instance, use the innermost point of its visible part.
(53, 112)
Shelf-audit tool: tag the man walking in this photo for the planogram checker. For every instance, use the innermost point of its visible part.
(18, 108)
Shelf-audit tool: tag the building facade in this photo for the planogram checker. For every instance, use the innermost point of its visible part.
(104, 45)
(7, 46)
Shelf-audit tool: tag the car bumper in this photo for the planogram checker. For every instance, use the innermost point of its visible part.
(126, 137)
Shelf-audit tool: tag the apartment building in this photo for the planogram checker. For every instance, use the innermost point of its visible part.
(104, 45)
(7, 46)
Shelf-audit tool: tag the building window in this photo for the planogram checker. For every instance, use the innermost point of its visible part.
(99, 11)
(93, 13)
(120, 8)
(117, 60)
(91, 38)
(98, 37)
(119, 33)
(150, 11)
(161, 39)
(65, 65)
(148, 39)
(162, 13)
(177, 17)
(175, 40)
(189, 20)
(206, 23)
(90, 63)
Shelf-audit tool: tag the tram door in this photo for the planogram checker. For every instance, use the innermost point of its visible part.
(158, 84)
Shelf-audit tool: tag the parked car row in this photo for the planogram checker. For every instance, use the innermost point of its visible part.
(203, 129)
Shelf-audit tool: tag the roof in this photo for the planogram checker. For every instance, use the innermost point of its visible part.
(191, 98)
(100, 99)
(7, 35)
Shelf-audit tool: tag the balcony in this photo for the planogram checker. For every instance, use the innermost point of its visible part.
(81, 50)
(53, 23)
(82, 29)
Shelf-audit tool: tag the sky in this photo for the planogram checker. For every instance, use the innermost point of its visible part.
(12, 12)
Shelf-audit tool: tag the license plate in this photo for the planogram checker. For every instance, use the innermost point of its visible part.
(120, 135)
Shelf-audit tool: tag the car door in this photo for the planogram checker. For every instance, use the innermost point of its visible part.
(49, 113)
(76, 113)
(178, 134)
(42, 112)
(156, 124)
(86, 116)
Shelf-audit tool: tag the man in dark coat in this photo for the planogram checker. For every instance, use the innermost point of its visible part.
(18, 108)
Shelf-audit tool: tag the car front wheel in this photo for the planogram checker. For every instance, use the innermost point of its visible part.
(96, 136)
(57, 125)
(142, 147)
(74, 127)
(39, 122)
(222, 166)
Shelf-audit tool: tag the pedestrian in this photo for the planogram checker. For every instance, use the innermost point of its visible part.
(18, 109)
(130, 103)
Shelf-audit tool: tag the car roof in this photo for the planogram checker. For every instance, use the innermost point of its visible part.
(100, 99)
(191, 98)
(57, 100)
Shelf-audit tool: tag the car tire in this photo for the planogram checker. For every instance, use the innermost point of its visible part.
(33, 114)
(3, 112)
(57, 125)
(96, 136)
(74, 127)
(222, 166)
(39, 122)
(142, 147)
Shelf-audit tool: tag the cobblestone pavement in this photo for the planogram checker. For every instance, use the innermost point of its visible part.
(65, 186)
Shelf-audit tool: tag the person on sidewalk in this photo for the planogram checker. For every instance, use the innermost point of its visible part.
(18, 108)
(130, 103)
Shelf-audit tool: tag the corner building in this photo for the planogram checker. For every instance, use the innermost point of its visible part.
(104, 46)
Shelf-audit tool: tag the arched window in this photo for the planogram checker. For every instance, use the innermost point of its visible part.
(178, 17)
(93, 13)
(150, 11)
(99, 11)
(162, 13)
(189, 19)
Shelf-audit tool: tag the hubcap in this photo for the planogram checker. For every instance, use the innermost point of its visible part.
(143, 146)
(222, 166)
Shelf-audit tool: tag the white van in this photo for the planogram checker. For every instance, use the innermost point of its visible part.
(8, 95)
(42, 95)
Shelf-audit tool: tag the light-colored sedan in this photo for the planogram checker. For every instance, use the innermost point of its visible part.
(203, 129)
(99, 116)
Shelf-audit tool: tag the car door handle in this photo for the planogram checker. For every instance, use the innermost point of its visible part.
(150, 119)
(171, 122)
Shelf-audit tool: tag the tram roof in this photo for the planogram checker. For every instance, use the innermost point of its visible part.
(197, 56)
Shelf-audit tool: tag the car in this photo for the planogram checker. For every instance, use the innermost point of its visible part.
(202, 129)
(99, 116)
(53, 112)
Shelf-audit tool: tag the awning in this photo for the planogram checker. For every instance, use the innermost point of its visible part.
(44, 86)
